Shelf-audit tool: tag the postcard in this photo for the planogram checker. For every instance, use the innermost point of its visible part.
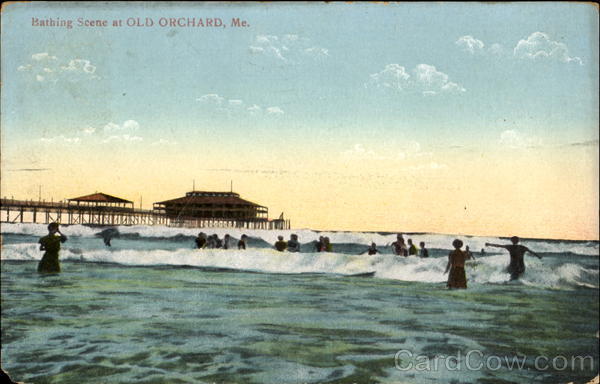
(256, 192)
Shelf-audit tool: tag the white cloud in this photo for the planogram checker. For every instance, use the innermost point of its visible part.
(43, 56)
(513, 139)
(79, 65)
(274, 111)
(235, 107)
(470, 44)
(256, 50)
(268, 45)
(131, 125)
(430, 79)
(122, 138)
(452, 88)
(410, 149)
(474, 46)
(132, 138)
(288, 48)
(47, 68)
(291, 37)
(316, 51)
(111, 132)
(426, 79)
(389, 151)
(276, 52)
(60, 139)
(266, 39)
(254, 109)
(111, 127)
(111, 138)
(124, 132)
(392, 76)
(128, 125)
(163, 142)
(539, 46)
(236, 103)
(211, 98)
(359, 152)
(88, 130)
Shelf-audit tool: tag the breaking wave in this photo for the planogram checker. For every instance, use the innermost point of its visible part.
(434, 241)
(485, 270)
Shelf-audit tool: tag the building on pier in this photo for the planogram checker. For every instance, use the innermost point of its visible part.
(205, 205)
(195, 210)
(101, 201)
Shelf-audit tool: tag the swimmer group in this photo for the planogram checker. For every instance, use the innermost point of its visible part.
(456, 259)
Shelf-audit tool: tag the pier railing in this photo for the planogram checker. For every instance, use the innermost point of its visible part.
(45, 212)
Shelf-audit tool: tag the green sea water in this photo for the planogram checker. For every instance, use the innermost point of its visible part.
(108, 323)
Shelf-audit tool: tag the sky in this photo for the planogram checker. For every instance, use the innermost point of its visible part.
(453, 118)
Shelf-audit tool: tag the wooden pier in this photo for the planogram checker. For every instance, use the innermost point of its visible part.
(43, 212)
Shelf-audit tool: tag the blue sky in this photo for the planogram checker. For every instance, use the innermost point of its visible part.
(143, 70)
(374, 80)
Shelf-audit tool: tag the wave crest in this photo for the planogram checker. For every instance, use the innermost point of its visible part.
(484, 270)
(433, 241)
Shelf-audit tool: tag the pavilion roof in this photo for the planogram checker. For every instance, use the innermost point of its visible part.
(219, 199)
(100, 197)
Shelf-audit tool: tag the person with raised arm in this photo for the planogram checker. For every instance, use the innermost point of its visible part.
(51, 245)
(372, 250)
(516, 251)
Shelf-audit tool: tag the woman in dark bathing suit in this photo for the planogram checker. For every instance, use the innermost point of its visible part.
(456, 265)
(51, 244)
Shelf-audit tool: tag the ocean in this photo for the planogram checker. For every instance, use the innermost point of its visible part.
(152, 309)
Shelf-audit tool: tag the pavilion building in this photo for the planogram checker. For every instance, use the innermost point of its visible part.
(101, 201)
(204, 205)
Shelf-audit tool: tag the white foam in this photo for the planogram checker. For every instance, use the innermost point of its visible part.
(485, 270)
(42, 229)
(437, 241)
